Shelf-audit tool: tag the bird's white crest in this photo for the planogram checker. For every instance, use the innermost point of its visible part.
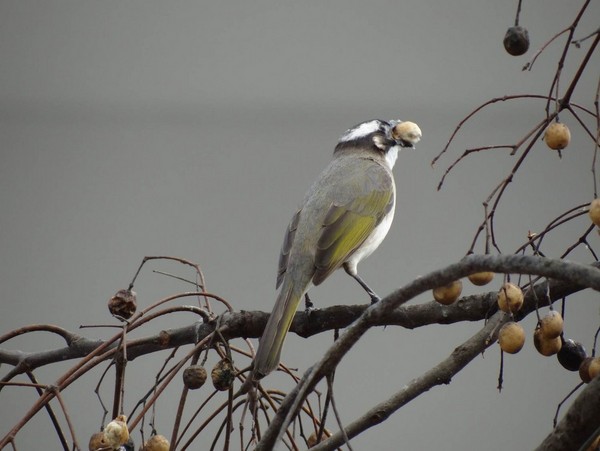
(361, 130)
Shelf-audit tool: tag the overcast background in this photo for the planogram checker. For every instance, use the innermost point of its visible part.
(188, 128)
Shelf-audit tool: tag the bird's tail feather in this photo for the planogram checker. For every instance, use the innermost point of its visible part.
(273, 337)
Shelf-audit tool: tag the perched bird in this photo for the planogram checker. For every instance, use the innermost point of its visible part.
(344, 217)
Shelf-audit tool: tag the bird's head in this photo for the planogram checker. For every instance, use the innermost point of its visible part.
(383, 137)
(383, 134)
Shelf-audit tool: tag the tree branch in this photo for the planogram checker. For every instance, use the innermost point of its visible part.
(573, 276)
(440, 374)
(250, 324)
(567, 271)
(580, 423)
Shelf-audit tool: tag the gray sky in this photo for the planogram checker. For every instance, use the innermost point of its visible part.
(193, 129)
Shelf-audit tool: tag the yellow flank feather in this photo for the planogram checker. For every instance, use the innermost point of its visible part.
(346, 228)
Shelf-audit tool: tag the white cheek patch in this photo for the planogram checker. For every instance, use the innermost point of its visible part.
(361, 130)
(380, 142)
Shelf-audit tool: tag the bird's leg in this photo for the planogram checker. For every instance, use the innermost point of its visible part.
(371, 293)
(308, 305)
(352, 272)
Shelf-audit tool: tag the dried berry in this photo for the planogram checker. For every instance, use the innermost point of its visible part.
(156, 443)
(481, 278)
(516, 40)
(511, 337)
(98, 442)
(546, 346)
(312, 439)
(557, 136)
(447, 294)
(194, 376)
(584, 369)
(594, 368)
(551, 324)
(571, 355)
(123, 304)
(594, 212)
(116, 432)
(510, 298)
(223, 375)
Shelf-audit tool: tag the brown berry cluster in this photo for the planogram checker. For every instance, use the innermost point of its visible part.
(222, 376)
(548, 337)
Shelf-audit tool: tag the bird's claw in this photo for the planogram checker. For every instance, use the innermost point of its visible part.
(309, 307)
(310, 310)
(375, 299)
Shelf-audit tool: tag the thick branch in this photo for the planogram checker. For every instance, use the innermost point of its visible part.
(250, 324)
(580, 423)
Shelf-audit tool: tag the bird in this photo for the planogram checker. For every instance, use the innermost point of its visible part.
(344, 217)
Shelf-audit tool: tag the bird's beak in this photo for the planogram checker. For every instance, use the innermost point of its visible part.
(406, 144)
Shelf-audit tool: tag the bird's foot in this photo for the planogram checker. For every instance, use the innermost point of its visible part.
(309, 307)
(374, 298)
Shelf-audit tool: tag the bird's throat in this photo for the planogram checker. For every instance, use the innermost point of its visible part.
(391, 156)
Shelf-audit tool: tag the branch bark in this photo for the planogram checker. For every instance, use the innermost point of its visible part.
(250, 324)
(580, 423)
(567, 271)
(440, 374)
